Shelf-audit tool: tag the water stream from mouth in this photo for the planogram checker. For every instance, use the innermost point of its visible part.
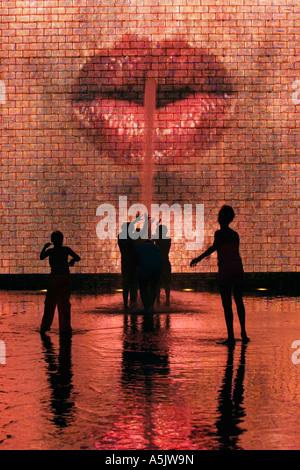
(147, 175)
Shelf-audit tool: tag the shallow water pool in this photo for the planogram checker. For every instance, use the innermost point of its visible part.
(125, 381)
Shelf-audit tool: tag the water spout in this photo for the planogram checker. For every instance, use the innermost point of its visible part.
(147, 175)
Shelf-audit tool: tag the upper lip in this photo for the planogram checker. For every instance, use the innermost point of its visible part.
(180, 71)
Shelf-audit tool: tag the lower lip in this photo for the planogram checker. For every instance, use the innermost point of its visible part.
(180, 128)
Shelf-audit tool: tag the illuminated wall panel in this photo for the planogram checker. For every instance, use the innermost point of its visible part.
(72, 123)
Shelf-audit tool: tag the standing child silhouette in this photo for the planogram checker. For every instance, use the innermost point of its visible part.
(226, 243)
(59, 285)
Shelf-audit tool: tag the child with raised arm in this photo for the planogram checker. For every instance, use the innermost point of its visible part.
(59, 285)
(226, 243)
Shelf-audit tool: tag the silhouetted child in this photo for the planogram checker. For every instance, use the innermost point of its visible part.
(128, 265)
(149, 271)
(59, 285)
(164, 244)
(226, 243)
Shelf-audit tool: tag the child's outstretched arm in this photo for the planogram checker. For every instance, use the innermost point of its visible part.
(206, 253)
(44, 253)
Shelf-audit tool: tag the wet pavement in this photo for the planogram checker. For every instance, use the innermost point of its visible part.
(127, 381)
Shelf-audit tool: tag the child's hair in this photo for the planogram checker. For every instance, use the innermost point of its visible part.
(57, 238)
(226, 215)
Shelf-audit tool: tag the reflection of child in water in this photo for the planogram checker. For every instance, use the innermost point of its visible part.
(59, 286)
(226, 243)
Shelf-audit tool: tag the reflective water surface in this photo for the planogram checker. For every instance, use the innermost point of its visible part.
(162, 382)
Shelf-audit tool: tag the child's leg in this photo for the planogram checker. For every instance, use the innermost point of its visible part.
(153, 286)
(49, 306)
(64, 305)
(133, 289)
(48, 316)
(167, 291)
(64, 314)
(125, 287)
(125, 295)
(238, 298)
(144, 293)
(225, 291)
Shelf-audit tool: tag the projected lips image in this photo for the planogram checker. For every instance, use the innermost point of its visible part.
(194, 98)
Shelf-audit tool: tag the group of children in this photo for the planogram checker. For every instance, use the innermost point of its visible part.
(144, 262)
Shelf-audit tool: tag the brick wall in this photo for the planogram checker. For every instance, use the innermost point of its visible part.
(72, 123)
